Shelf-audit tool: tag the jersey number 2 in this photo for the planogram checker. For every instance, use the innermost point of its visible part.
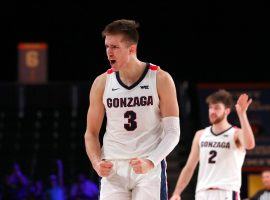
(213, 154)
(132, 124)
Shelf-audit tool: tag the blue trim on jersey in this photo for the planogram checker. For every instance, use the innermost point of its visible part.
(234, 195)
(163, 185)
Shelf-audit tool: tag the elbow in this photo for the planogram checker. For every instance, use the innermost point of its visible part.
(176, 138)
(87, 136)
(176, 135)
(90, 135)
(250, 145)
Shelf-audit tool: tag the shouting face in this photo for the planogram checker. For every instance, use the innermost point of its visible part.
(119, 51)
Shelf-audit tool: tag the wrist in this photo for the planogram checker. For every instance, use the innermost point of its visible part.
(95, 163)
(242, 112)
(178, 190)
(177, 193)
(242, 115)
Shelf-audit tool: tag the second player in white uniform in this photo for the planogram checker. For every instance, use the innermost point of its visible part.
(220, 150)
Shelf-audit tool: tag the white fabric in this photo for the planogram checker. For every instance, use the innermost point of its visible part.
(171, 138)
(220, 161)
(217, 195)
(124, 184)
(120, 143)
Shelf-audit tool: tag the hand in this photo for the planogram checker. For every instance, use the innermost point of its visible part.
(242, 104)
(141, 166)
(175, 197)
(103, 168)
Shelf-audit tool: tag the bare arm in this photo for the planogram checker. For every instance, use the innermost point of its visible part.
(188, 170)
(245, 134)
(167, 95)
(95, 117)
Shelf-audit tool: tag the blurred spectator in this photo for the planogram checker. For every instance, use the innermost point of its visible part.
(56, 189)
(264, 194)
(84, 189)
(37, 191)
(16, 184)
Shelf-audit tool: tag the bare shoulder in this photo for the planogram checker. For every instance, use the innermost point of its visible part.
(196, 139)
(98, 87)
(100, 82)
(165, 82)
(199, 133)
(163, 76)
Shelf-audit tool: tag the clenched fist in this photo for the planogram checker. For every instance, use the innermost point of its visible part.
(141, 166)
(103, 168)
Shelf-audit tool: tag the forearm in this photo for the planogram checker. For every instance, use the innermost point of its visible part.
(170, 140)
(93, 148)
(183, 180)
(247, 133)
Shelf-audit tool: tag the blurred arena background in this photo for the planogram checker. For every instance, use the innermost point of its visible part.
(52, 51)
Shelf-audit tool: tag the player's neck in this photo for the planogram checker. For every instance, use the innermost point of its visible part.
(132, 72)
(221, 126)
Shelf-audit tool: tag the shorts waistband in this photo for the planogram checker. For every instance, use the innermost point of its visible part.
(213, 188)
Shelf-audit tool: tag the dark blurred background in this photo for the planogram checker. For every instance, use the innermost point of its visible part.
(42, 126)
(196, 40)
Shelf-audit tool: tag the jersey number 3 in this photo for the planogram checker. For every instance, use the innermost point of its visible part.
(213, 154)
(132, 124)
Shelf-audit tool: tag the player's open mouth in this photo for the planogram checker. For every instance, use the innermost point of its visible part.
(112, 62)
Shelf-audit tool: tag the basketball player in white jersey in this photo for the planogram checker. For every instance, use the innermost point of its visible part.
(142, 120)
(220, 149)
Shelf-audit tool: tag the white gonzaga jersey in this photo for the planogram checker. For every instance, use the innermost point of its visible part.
(220, 161)
(134, 127)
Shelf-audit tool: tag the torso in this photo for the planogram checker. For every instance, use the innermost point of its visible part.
(220, 160)
(133, 116)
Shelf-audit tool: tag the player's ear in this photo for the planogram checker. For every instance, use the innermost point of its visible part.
(227, 111)
(133, 48)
